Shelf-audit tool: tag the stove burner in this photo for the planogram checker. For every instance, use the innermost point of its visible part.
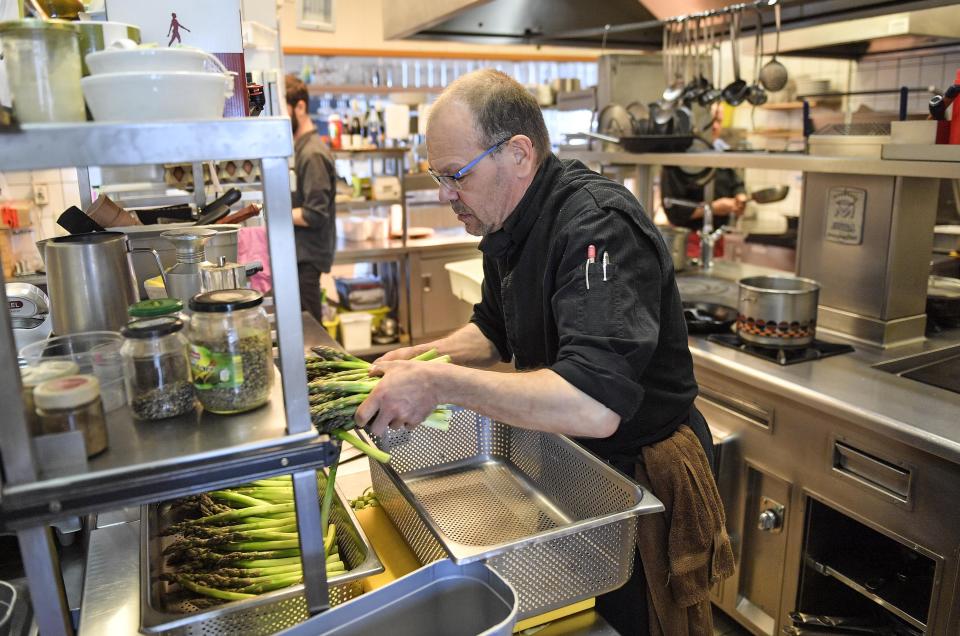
(697, 287)
(817, 350)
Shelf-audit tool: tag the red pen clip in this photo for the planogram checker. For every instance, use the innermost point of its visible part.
(591, 258)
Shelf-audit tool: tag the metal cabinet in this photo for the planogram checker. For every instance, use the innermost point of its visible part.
(435, 310)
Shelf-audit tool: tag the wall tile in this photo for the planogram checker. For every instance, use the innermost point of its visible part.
(68, 175)
(17, 178)
(71, 195)
(931, 70)
(46, 176)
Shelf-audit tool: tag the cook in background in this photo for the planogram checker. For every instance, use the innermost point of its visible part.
(725, 189)
(579, 292)
(313, 199)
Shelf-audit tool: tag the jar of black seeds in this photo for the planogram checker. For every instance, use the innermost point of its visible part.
(157, 368)
(231, 353)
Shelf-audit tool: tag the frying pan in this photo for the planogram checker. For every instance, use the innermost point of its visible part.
(702, 317)
(770, 195)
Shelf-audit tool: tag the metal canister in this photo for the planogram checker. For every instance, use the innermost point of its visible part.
(676, 240)
(777, 311)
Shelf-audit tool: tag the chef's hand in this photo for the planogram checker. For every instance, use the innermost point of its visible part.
(403, 398)
(404, 353)
(726, 206)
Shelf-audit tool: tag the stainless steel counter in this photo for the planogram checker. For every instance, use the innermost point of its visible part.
(353, 251)
(847, 386)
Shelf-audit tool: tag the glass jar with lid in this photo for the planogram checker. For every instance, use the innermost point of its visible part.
(157, 368)
(33, 376)
(70, 404)
(231, 353)
(44, 69)
(155, 308)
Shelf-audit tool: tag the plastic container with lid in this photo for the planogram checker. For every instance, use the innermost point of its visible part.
(156, 307)
(72, 403)
(31, 377)
(44, 69)
(231, 353)
(157, 368)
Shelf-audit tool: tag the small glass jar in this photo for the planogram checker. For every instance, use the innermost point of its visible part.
(44, 69)
(32, 377)
(157, 368)
(231, 353)
(155, 308)
(73, 404)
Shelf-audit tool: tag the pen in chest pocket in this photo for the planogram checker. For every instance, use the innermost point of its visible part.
(606, 261)
(591, 259)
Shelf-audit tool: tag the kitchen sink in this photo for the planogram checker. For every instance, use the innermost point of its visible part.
(940, 368)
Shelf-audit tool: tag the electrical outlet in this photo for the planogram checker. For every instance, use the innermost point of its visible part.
(40, 195)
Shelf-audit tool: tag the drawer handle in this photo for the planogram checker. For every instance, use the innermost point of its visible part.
(878, 474)
(753, 412)
(427, 281)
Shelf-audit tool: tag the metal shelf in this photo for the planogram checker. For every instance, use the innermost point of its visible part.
(150, 461)
(774, 161)
(367, 153)
(42, 146)
(366, 204)
(861, 589)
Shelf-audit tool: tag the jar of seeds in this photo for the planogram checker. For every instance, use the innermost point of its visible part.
(231, 354)
(156, 368)
(72, 403)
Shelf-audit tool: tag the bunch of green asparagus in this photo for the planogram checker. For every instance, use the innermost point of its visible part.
(366, 500)
(339, 382)
(241, 542)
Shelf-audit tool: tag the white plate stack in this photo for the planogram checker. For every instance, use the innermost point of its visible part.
(155, 84)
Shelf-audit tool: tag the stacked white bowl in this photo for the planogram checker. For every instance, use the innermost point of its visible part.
(155, 84)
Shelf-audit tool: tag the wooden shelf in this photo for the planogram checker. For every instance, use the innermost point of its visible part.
(777, 132)
(321, 89)
(814, 103)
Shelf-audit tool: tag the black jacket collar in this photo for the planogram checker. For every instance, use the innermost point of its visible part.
(503, 242)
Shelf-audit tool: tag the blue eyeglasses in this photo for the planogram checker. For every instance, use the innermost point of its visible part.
(452, 181)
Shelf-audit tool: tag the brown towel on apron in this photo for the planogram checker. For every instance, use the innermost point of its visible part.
(686, 549)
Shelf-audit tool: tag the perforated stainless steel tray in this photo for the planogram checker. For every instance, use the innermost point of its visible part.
(164, 609)
(442, 598)
(552, 519)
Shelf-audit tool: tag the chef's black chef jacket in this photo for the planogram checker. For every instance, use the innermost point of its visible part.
(623, 340)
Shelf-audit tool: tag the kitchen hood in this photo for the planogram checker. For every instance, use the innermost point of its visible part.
(821, 28)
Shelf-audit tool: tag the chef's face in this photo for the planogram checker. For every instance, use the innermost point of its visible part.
(485, 197)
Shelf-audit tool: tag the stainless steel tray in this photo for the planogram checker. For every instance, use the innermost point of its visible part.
(442, 599)
(164, 610)
(551, 518)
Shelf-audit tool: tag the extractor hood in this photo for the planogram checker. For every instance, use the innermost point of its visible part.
(826, 28)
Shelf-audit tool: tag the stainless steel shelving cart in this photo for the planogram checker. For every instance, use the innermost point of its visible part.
(149, 464)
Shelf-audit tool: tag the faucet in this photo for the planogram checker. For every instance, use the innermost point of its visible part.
(708, 235)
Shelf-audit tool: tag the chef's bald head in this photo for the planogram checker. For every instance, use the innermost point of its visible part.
(501, 108)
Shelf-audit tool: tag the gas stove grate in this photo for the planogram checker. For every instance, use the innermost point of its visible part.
(817, 350)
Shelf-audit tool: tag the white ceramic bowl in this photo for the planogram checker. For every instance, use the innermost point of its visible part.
(356, 228)
(156, 96)
(152, 60)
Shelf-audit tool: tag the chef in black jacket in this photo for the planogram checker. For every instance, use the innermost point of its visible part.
(725, 188)
(602, 344)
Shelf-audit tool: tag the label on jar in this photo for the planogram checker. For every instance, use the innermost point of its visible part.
(215, 370)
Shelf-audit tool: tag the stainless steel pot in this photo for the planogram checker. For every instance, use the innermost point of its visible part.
(676, 240)
(777, 311)
(90, 281)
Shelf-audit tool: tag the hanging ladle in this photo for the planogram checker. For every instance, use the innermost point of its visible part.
(736, 91)
(674, 80)
(712, 94)
(773, 75)
(755, 93)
